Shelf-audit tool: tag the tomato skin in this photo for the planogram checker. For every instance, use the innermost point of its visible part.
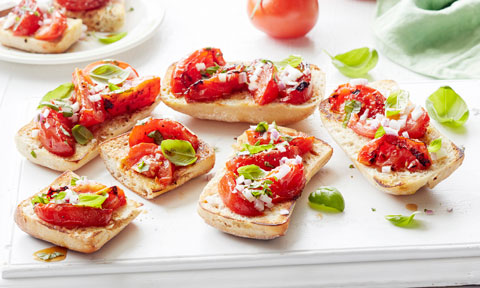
(54, 29)
(288, 187)
(370, 98)
(304, 143)
(81, 5)
(29, 18)
(267, 90)
(168, 128)
(416, 128)
(360, 127)
(284, 19)
(91, 113)
(265, 160)
(160, 168)
(70, 216)
(116, 198)
(235, 201)
(186, 72)
(52, 136)
(300, 93)
(398, 152)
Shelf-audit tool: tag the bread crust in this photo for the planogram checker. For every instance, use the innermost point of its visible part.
(396, 183)
(116, 149)
(27, 43)
(27, 141)
(240, 106)
(86, 239)
(274, 223)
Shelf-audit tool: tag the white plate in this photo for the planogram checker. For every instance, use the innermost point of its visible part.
(141, 24)
(171, 235)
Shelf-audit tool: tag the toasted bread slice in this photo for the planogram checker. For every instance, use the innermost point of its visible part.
(116, 149)
(86, 239)
(27, 141)
(240, 107)
(274, 222)
(396, 183)
(108, 18)
(27, 43)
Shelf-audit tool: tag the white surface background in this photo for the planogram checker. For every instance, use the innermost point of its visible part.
(188, 25)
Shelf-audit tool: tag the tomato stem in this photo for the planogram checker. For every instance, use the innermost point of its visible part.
(257, 5)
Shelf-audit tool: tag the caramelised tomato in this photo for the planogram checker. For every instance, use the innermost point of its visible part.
(53, 30)
(82, 5)
(224, 82)
(55, 133)
(157, 166)
(303, 142)
(370, 98)
(265, 160)
(235, 201)
(71, 216)
(28, 18)
(300, 92)
(290, 186)
(91, 113)
(266, 87)
(169, 129)
(192, 68)
(398, 152)
(116, 196)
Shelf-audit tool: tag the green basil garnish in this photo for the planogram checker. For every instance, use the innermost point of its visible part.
(156, 136)
(34, 155)
(179, 152)
(73, 181)
(351, 106)
(252, 172)
(112, 38)
(91, 200)
(262, 127)
(67, 110)
(447, 107)
(143, 167)
(292, 60)
(396, 102)
(380, 132)
(81, 134)
(107, 73)
(212, 69)
(355, 63)
(400, 220)
(257, 148)
(435, 145)
(327, 198)
(49, 256)
(61, 92)
(39, 199)
(112, 87)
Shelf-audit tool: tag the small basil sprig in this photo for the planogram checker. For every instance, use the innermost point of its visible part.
(61, 92)
(156, 136)
(396, 102)
(292, 60)
(447, 107)
(39, 199)
(380, 132)
(252, 172)
(262, 127)
(355, 63)
(81, 134)
(257, 148)
(91, 200)
(351, 106)
(435, 145)
(179, 152)
(56, 105)
(327, 198)
(109, 73)
(112, 38)
(49, 256)
(400, 220)
(142, 167)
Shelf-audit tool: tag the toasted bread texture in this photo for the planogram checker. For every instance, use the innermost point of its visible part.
(240, 107)
(396, 183)
(86, 239)
(109, 18)
(116, 149)
(27, 141)
(27, 43)
(274, 222)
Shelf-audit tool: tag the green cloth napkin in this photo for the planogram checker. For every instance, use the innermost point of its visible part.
(438, 38)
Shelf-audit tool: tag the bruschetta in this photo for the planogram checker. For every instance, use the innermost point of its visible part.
(157, 156)
(41, 30)
(387, 136)
(104, 100)
(76, 213)
(253, 196)
(204, 86)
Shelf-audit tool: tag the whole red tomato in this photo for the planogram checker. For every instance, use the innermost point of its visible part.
(283, 18)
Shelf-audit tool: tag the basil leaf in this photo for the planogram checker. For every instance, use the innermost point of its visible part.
(73, 181)
(112, 87)
(156, 136)
(179, 152)
(268, 164)
(252, 172)
(355, 63)
(400, 220)
(396, 102)
(292, 60)
(60, 195)
(91, 200)
(81, 134)
(112, 38)
(34, 155)
(380, 132)
(142, 167)
(254, 149)
(61, 92)
(212, 69)
(39, 199)
(447, 107)
(262, 127)
(351, 106)
(435, 145)
(107, 73)
(327, 198)
(67, 110)
(49, 256)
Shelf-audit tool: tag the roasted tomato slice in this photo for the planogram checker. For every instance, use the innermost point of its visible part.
(70, 216)
(116, 198)
(303, 142)
(55, 133)
(263, 83)
(81, 5)
(370, 98)
(168, 128)
(158, 166)
(290, 185)
(397, 152)
(265, 160)
(28, 18)
(299, 92)
(192, 68)
(235, 201)
(91, 112)
(224, 82)
(362, 127)
(53, 30)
